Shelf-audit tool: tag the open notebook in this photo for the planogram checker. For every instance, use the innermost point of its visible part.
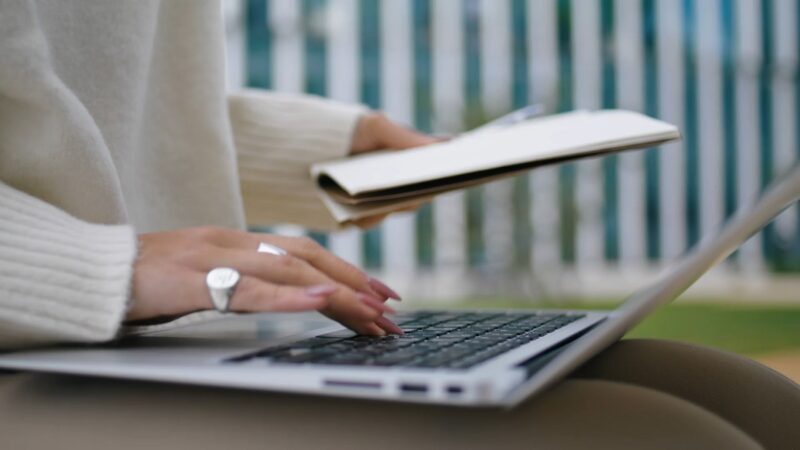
(377, 183)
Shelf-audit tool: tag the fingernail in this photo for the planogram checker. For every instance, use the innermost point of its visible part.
(321, 290)
(383, 289)
(371, 290)
(389, 326)
(374, 303)
(443, 137)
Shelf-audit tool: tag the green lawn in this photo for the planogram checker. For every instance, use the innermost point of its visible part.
(744, 329)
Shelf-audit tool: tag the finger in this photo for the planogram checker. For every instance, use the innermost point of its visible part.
(369, 222)
(396, 136)
(369, 328)
(289, 269)
(304, 248)
(416, 205)
(281, 269)
(343, 306)
(349, 306)
(411, 208)
(372, 330)
(375, 304)
(366, 223)
(331, 265)
(389, 326)
(254, 295)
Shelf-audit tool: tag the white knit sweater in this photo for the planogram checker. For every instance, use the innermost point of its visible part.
(114, 121)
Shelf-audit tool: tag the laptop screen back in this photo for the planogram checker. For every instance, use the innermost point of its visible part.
(748, 220)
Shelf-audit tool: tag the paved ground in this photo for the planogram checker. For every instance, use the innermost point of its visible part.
(786, 362)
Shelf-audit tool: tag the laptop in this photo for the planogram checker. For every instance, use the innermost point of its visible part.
(465, 358)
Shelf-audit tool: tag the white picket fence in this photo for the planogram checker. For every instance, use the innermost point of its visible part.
(572, 62)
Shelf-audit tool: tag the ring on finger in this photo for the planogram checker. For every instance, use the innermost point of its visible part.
(264, 247)
(221, 282)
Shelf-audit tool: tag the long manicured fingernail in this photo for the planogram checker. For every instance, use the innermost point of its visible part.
(374, 303)
(383, 289)
(370, 290)
(321, 290)
(389, 326)
(443, 137)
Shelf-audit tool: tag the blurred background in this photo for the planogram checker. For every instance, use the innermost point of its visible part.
(724, 71)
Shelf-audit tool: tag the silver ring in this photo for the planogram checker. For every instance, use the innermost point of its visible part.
(271, 249)
(221, 283)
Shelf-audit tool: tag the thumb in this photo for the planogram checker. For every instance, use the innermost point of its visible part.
(368, 222)
(399, 137)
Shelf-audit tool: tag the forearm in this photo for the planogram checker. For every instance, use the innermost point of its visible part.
(278, 137)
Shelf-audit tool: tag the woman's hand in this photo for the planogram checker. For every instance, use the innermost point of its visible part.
(170, 272)
(376, 132)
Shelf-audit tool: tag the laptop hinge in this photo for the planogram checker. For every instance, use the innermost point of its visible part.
(538, 361)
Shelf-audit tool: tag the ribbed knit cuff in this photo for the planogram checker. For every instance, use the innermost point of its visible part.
(278, 137)
(61, 279)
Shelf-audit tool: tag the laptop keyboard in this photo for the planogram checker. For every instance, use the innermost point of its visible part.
(431, 340)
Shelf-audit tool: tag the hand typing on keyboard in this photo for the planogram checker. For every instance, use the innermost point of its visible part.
(169, 277)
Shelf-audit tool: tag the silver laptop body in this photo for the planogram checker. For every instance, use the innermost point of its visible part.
(229, 351)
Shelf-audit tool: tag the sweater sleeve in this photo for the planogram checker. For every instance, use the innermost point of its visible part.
(278, 137)
(61, 279)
